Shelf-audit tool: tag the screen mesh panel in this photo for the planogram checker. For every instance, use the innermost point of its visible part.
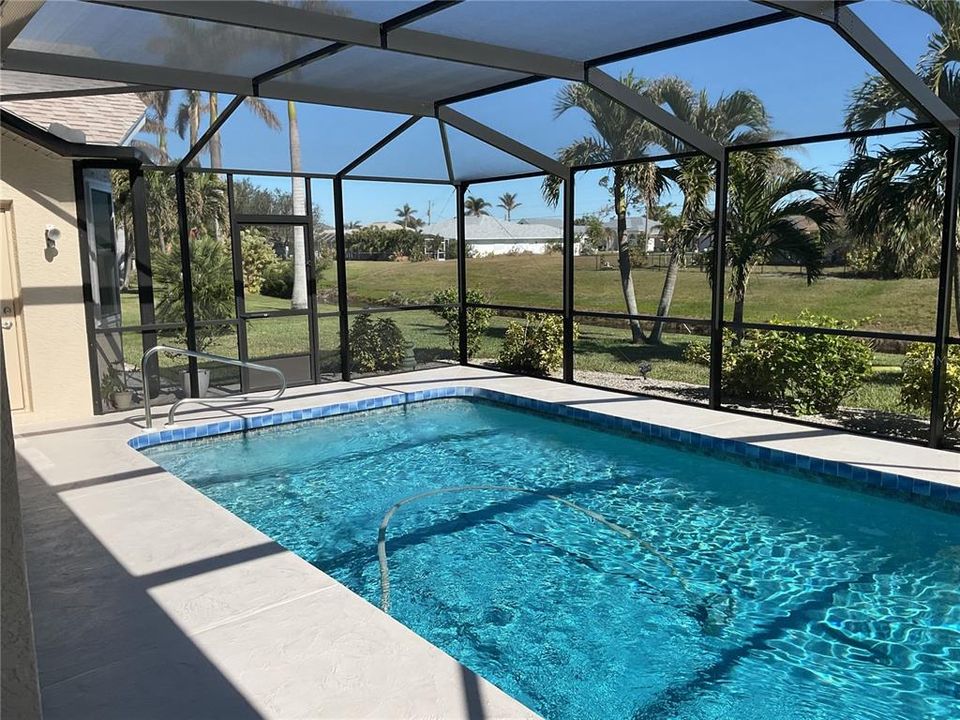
(584, 30)
(76, 29)
(473, 159)
(389, 74)
(417, 154)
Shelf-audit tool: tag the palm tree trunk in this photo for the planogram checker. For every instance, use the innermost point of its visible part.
(956, 293)
(666, 296)
(623, 258)
(298, 301)
(215, 147)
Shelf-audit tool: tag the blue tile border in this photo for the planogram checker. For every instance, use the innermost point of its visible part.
(743, 451)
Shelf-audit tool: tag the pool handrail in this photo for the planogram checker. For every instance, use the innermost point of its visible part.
(239, 399)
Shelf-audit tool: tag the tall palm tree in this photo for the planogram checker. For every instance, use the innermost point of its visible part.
(618, 134)
(737, 117)
(206, 196)
(298, 300)
(188, 116)
(155, 122)
(508, 201)
(406, 214)
(255, 105)
(893, 195)
(475, 206)
(771, 213)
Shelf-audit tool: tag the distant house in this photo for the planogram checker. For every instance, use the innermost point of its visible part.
(489, 236)
(637, 230)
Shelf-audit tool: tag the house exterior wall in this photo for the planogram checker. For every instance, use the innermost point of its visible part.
(39, 186)
(483, 248)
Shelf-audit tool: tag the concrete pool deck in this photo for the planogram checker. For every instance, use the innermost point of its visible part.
(150, 600)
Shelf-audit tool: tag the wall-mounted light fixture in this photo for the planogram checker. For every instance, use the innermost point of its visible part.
(52, 236)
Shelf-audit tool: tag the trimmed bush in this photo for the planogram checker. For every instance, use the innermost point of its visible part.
(916, 384)
(534, 346)
(258, 258)
(478, 319)
(376, 344)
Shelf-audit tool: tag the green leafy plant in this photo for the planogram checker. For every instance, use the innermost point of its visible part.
(376, 343)
(697, 353)
(810, 373)
(478, 319)
(258, 258)
(212, 288)
(384, 244)
(534, 346)
(111, 383)
(916, 384)
(278, 280)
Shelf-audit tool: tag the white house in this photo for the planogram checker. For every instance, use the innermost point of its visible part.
(489, 236)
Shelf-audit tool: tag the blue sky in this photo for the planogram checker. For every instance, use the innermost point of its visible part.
(802, 71)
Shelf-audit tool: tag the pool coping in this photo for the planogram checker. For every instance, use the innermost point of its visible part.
(733, 449)
(240, 622)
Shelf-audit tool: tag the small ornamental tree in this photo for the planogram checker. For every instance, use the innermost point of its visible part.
(478, 319)
(376, 343)
(258, 258)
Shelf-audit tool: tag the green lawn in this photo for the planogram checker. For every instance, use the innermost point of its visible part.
(894, 305)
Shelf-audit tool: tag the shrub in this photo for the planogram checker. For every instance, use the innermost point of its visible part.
(916, 384)
(376, 343)
(212, 272)
(258, 257)
(278, 280)
(811, 373)
(478, 319)
(385, 244)
(697, 353)
(534, 346)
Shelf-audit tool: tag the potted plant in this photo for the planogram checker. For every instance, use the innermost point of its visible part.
(113, 389)
(212, 297)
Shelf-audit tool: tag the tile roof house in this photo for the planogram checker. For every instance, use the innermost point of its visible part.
(93, 119)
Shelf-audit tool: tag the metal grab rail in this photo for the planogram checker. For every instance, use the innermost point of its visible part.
(227, 400)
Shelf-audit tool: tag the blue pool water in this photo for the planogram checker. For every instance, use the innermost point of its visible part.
(742, 593)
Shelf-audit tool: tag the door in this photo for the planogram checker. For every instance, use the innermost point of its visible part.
(11, 315)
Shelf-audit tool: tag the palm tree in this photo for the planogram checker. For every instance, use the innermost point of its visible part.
(508, 201)
(298, 300)
(771, 213)
(206, 196)
(155, 122)
(618, 134)
(893, 195)
(475, 206)
(407, 213)
(188, 116)
(738, 117)
(255, 105)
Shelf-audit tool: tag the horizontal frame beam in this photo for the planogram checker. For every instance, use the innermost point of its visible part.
(78, 92)
(502, 142)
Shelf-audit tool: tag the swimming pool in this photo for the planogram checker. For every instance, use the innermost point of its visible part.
(733, 592)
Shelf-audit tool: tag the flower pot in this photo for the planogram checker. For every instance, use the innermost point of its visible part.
(203, 376)
(123, 400)
(409, 361)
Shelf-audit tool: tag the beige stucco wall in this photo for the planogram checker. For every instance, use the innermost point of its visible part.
(41, 188)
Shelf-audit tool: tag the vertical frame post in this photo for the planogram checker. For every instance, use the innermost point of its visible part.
(462, 273)
(948, 266)
(189, 315)
(239, 298)
(81, 204)
(568, 268)
(718, 281)
(341, 277)
(311, 261)
(141, 240)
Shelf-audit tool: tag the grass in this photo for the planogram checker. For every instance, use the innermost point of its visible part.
(895, 305)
